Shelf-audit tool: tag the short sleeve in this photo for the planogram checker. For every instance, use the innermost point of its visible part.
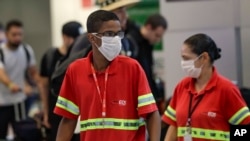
(235, 108)
(1, 62)
(146, 101)
(169, 115)
(43, 67)
(66, 105)
(32, 61)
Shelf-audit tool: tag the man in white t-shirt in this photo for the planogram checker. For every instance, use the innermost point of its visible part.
(15, 59)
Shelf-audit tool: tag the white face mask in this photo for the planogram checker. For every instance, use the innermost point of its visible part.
(110, 47)
(190, 69)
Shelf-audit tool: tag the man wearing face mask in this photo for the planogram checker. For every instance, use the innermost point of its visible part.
(111, 105)
(17, 59)
(82, 45)
(119, 7)
(204, 104)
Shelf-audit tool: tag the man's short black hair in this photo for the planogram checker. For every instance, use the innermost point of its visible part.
(72, 29)
(96, 19)
(157, 20)
(12, 23)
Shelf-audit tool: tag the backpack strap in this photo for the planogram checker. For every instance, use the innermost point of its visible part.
(134, 46)
(1, 55)
(27, 53)
(50, 58)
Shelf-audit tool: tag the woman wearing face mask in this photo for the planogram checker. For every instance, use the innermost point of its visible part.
(205, 103)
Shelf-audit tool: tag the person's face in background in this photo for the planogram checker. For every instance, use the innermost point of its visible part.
(14, 36)
(121, 13)
(2, 36)
(67, 40)
(155, 35)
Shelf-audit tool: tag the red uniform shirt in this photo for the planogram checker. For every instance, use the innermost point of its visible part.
(128, 97)
(221, 104)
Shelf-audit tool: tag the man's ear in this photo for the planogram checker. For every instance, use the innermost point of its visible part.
(90, 37)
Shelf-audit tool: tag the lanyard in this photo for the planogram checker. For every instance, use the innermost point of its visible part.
(103, 100)
(190, 109)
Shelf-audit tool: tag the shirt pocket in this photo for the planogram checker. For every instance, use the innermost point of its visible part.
(213, 118)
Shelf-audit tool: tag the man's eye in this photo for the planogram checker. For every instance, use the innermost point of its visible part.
(110, 34)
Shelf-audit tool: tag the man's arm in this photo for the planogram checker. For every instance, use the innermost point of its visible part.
(4, 78)
(66, 129)
(154, 126)
(42, 85)
(171, 134)
(44, 94)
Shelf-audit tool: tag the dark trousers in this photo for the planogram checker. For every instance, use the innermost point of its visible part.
(6, 117)
(11, 115)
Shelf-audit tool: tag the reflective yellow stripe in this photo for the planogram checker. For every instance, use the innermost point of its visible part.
(111, 123)
(239, 116)
(170, 112)
(146, 99)
(67, 105)
(205, 134)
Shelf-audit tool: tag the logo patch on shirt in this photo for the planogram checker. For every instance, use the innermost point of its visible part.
(120, 102)
(211, 114)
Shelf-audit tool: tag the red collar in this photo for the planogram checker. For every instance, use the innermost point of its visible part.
(212, 83)
(112, 68)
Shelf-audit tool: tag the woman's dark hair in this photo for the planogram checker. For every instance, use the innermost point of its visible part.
(200, 43)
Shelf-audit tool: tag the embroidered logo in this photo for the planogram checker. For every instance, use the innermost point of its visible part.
(122, 102)
(211, 114)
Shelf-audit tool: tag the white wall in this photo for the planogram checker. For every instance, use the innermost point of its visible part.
(245, 40)
(217, 18)
(63, 11)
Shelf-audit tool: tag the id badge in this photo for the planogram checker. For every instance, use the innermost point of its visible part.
(187, 137)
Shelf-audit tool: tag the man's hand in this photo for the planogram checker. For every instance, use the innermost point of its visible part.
(14, 88)
(46, 121)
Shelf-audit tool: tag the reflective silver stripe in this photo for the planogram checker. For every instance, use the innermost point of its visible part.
(67, 105)
(170, 112)
(205, 134)
(17, 118)
(239, 116)
(111, 123)
(23, 111)
(145, 100)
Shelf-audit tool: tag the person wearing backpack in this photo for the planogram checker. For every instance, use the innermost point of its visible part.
(70, 31)
(16, 60)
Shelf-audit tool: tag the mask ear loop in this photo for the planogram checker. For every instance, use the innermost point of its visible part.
(197, 59)
(94, 34)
